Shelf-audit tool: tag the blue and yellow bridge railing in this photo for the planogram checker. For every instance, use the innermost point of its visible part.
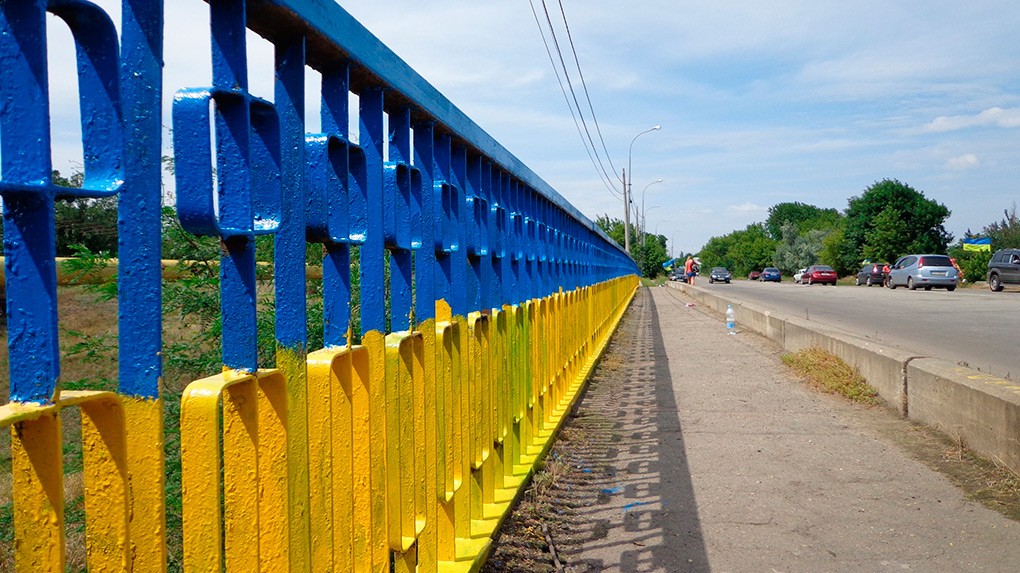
(484, 299)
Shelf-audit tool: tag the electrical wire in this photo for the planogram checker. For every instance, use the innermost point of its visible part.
(584, 86)
(570, 84)
(606, 181)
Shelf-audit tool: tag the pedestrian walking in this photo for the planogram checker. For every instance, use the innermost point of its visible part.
(689, 270)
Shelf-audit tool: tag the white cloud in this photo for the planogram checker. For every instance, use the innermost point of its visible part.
(748, 208)
(962, 162)
(993, 116)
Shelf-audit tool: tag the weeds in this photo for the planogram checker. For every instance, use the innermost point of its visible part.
(832, 374)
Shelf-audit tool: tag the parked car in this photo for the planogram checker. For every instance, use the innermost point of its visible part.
(754, 275)
(771, 274)
(871, 274)
(823, 274)
(719, 274)
(799, 275)
(1004, 269)
(926, 271)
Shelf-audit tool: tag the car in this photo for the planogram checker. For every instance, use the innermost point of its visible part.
(927, 271)
(754, 275)
(1004, 269)
(871, 274)
(797, 276)
(771, 274)
(719, 274)
(823, 274)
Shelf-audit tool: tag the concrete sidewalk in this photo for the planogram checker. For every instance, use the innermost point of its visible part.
(709, 455)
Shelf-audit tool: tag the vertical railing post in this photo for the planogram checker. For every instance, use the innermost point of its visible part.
(290, 305)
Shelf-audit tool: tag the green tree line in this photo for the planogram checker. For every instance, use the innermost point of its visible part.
(887, 220)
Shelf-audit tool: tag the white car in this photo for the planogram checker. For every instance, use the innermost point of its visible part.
(797, 275)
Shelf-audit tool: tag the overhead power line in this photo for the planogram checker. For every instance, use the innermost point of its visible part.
(584, 86)
(576, 112)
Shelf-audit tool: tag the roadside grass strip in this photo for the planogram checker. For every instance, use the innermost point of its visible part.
(831, 374)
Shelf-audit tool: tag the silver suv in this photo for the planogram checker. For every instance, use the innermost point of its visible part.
(924, 271)
(1004, 269)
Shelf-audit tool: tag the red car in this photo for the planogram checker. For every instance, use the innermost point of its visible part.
(819, 274)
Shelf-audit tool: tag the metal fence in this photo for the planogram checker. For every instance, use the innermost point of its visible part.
(484, 298)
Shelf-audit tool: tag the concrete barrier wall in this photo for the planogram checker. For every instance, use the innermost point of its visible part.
(981, 410)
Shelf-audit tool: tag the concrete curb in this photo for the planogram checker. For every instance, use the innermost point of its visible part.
(977, 409)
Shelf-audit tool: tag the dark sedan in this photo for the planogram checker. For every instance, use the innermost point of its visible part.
(771, 274)
(871, 274)
(719, 275)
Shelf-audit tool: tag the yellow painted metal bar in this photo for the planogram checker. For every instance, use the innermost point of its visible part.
(377, 470)
(363, 525)
(146, 471)
(38, 489)
(403, 361)
(105, 473)
(431, 487)
(201, 465)
(292, 363)
(331, 382)
(277, 516)
(410, 448)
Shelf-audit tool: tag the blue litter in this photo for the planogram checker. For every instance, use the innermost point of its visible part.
(612, 491)
(635, 504)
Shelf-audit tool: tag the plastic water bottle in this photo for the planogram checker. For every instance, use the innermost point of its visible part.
(731, 319)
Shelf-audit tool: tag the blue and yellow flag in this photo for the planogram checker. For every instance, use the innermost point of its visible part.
(978, 244)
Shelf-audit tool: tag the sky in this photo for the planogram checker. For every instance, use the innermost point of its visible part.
(759, 103)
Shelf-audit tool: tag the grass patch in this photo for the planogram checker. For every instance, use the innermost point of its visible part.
(831, 374)
(658, 280)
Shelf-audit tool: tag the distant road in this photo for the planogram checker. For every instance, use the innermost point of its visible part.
(973, 327)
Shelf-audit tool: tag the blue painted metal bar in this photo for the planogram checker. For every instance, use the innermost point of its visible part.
(289, 251)
(457, 208)
(373, 290)
(473, 243)
(139, 208)
(27, 188)
(425, 259)
(329, 196)
(401, 180)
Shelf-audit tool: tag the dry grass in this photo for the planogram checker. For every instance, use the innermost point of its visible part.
(831, 374)
(92, 366)
(989, 482)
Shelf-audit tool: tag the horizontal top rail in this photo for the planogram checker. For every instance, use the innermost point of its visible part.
(331, 27)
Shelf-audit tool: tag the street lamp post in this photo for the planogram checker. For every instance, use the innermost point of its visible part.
(641, 223)
(656, 233)
(628, 178)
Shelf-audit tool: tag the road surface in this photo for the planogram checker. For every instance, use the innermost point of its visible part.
(971, 326)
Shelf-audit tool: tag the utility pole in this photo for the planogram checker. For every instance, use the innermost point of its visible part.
(626, 214)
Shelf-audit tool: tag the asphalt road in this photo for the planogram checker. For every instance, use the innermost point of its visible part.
(972, 326)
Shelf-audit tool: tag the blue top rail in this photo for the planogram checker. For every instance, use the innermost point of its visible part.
(424, 189)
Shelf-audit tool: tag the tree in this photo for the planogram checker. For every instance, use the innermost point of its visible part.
(804, 218)
(797, 251)
(740, 251)
(829, 255)
(651, 254)
(1005, 234)
(912, 223)
(614, 228)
